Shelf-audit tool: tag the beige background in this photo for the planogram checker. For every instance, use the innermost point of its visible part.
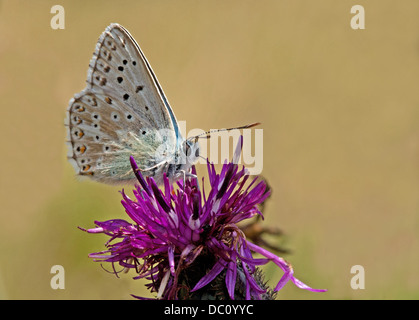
(339, 109)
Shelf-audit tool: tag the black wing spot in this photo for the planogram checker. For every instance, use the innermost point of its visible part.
(124, 62)
(121, 68)
(134, 63)
(126, 96)
(120, 79)
(139, 88)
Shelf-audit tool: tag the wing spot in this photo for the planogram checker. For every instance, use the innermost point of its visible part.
(77, 120)
(120, 79)
(108, 100)
(79, 133)
(121, 68)
(126, 96)
(81, 149)
(134, 63)
(129, 117)
(106, 69)
(102, 81)
(124, 62)
(146, 108)
(139, 88)
(114, 116)
(106, 54)
(143, 132)
(79, 108)
(91, 101)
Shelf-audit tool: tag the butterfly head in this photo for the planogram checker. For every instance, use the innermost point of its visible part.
(191, 150)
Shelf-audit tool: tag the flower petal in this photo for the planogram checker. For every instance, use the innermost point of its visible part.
(231, 277)
(215, 271)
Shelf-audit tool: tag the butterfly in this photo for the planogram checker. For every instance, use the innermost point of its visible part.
(124, 112)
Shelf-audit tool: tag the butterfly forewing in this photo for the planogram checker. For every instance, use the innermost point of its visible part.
(121, 112)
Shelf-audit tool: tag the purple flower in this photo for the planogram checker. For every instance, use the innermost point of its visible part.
(187, 243)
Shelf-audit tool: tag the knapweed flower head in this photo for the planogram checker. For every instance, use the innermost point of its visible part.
(187, 244)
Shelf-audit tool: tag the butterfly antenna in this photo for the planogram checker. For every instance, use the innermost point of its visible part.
(207, 134)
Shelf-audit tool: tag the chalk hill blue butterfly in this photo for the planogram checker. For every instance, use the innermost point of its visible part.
(123, 111)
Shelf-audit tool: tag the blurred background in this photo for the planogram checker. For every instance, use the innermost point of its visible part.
(340, 116)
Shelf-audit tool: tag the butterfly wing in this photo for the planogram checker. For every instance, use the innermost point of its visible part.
(122, 112)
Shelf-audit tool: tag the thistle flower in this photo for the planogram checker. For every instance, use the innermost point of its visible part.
(187, 243)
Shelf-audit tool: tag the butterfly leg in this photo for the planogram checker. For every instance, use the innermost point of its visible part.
(187, 174)
(153, 167)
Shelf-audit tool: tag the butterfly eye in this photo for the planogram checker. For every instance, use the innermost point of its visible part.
(187, 148)
(197, 152)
